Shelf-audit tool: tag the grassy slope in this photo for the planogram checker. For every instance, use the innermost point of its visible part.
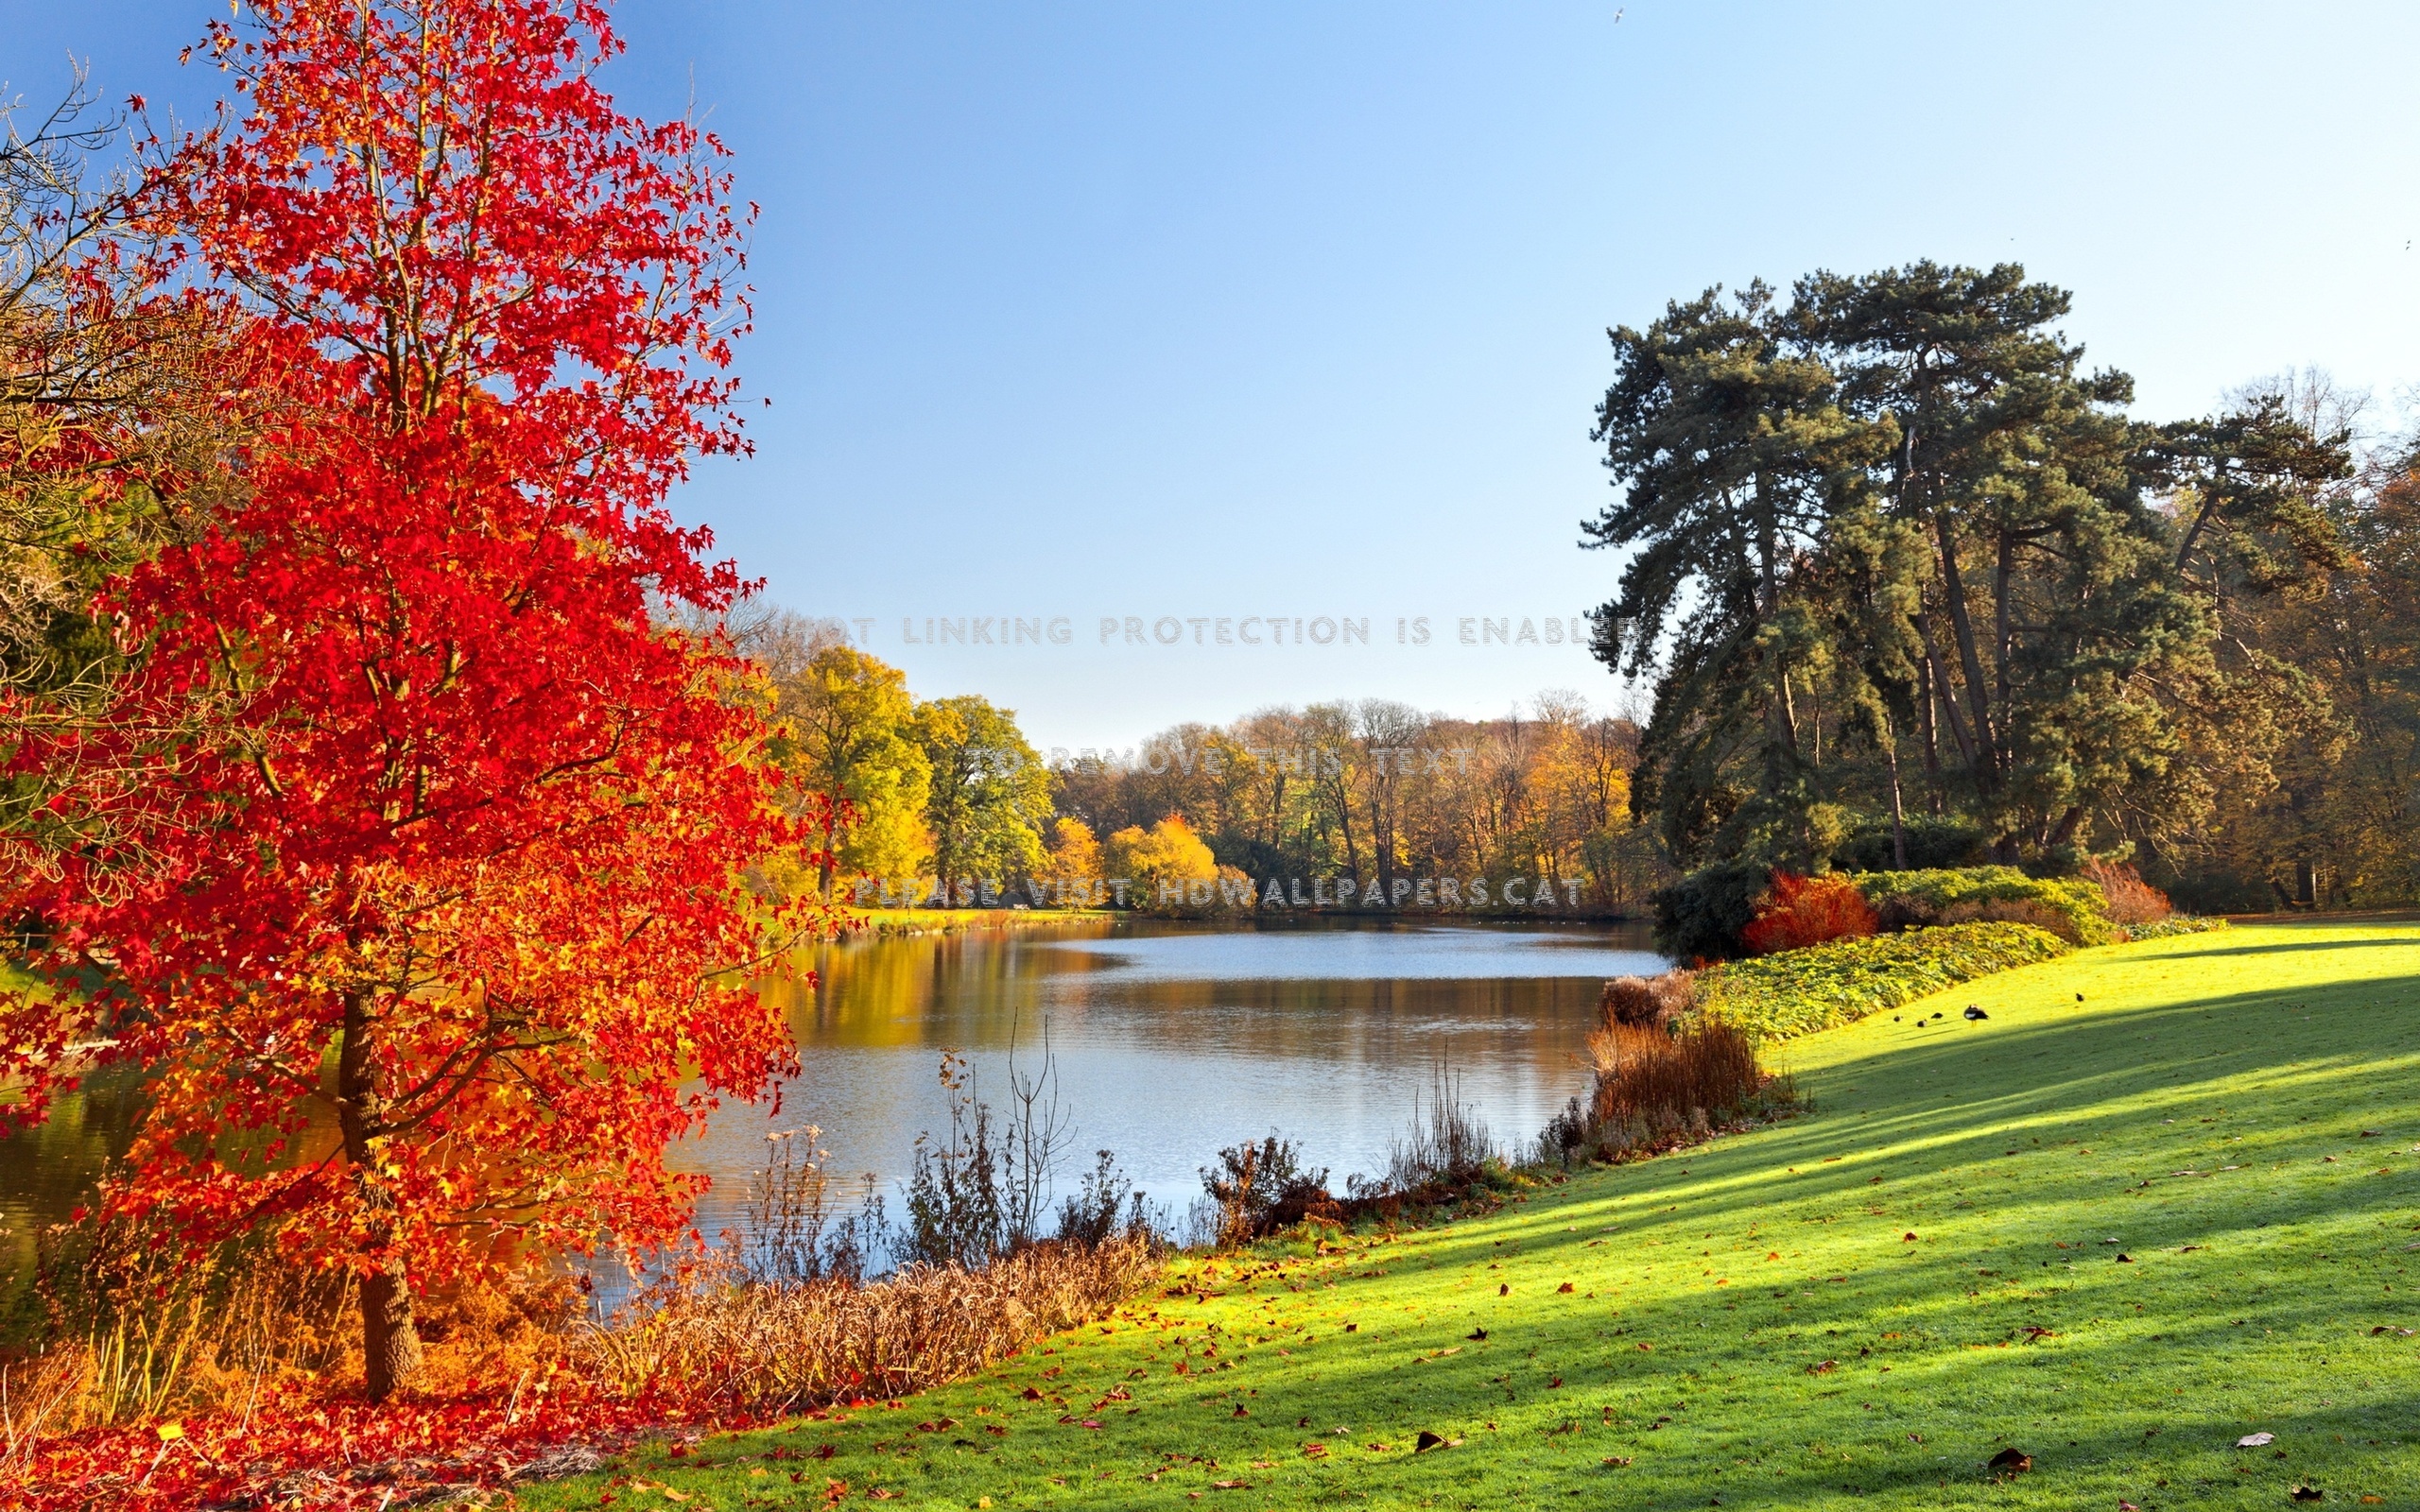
(1712, 1285)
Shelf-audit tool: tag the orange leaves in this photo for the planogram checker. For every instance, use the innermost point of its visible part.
(1807, 911)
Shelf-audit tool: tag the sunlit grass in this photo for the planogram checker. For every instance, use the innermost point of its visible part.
(2238, 1114)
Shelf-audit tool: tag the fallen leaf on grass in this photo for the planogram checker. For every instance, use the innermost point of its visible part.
(1314, 1450)
(1617, 1461)
(1823, 1368)
(1565, 1287)
(1030, 1394)
(2255, 1440)
(1230, 1486)
(2011, 1461)
(1428, 1441)
(1481, 1334)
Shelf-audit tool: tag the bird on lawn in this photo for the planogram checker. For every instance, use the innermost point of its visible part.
(1974, 1012)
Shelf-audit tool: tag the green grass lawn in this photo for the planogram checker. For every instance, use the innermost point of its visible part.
(2117, 1234)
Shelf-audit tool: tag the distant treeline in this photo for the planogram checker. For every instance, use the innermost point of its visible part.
(949, 793)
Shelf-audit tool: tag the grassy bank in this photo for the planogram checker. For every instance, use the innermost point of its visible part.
(2238, 1115)
(956, 921)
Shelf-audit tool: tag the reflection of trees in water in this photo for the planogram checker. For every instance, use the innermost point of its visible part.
(1163, 1068)
(968, 990)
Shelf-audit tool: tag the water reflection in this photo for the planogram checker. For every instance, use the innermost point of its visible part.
(1172, 1040)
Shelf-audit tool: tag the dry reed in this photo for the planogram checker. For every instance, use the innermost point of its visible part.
(1646, 1001)
(711, 1334)
(1648, 1079)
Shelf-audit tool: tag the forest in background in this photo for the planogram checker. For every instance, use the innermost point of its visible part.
(1911, 590)
(947, 790)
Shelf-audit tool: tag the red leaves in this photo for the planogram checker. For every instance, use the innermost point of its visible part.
(1807, 911)
(292, 1450)
(462, 809)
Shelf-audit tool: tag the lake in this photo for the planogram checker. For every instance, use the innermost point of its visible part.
(1170, 1041)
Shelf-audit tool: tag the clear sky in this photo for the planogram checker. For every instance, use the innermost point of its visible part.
(1291, 311)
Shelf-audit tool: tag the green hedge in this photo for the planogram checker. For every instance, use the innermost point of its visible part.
(1795, 993)
(2070, 907)
(2175, 924)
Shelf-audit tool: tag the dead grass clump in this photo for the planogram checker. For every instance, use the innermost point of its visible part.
(1659, 1090)
(711, 1335)
(1646, 1002)
(1649, 1075)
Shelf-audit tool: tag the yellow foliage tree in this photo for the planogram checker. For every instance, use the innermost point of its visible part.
(1168, 851)
(1073, 860)
(851, 745)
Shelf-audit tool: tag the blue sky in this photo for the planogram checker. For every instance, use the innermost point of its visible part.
(1296, 311)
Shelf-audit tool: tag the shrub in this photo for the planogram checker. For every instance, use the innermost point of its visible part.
(2130, 900)
(1700, 917)
(1777, 997)
(1448, 1145)
(1803, 911)
(1105, 1206)
(1646, 1002)
(2071, 907)
(2175, 924)
(1264, 1187)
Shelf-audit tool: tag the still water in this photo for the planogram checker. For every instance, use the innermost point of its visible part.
(1170, 1041)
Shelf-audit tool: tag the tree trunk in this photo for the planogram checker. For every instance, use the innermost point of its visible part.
(1953, 590)
(1898, 812)
(1929, 733)
(390, 1337)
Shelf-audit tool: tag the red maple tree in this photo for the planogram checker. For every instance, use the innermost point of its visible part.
(434, 943)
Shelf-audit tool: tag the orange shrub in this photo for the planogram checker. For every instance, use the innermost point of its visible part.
(2131, 900)
(1807, 911)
